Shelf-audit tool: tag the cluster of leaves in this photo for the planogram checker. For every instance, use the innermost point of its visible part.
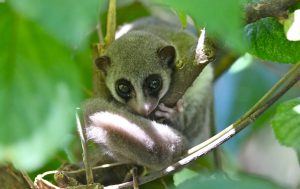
(45, 66)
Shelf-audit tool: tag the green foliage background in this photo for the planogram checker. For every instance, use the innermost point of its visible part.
(45, 69)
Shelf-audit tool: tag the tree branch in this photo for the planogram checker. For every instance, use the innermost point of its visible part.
(268, 8)
(27, 179)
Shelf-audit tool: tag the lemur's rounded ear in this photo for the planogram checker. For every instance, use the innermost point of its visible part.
(167, 54)
(102, 63)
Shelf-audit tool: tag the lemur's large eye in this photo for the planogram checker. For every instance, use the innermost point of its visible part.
(153, 84)
(124, 88)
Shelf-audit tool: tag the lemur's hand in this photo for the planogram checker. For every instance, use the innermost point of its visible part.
(169, 115)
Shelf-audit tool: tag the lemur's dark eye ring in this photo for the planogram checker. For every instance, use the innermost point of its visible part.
(153, 84)
(124, 88)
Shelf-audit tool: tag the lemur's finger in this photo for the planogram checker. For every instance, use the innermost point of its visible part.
(180, 105)
(162, 114)
(164, 108)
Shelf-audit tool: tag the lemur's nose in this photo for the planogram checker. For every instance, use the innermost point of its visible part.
(146, 109)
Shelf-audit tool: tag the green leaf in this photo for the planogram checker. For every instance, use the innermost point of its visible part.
(218, 181)
(162, 183)
(222, 18)
(40, 87)
(183, 18)
(268, 41)
(286, 123)
(184, 175)
(68, 20)
(129, 13)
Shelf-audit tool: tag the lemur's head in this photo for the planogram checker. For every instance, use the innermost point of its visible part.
(137, 69)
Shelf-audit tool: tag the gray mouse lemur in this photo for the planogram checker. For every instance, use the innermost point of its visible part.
(140, 68)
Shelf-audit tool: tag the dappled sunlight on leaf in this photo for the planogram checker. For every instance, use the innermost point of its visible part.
(240, 64)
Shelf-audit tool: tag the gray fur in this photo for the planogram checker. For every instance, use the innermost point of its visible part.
(131, 138)
(131, 61)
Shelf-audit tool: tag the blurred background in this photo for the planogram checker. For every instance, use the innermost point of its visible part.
(46, 72)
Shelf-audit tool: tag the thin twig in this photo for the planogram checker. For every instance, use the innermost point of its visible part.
(88, 168)
(94, 168)
(293, 76)
(27, 179)
(39, 180)
(213, 131)
(292, 71)
(111, 23)
(135, 178)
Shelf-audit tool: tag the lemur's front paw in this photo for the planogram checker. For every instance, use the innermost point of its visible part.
(166, 114)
